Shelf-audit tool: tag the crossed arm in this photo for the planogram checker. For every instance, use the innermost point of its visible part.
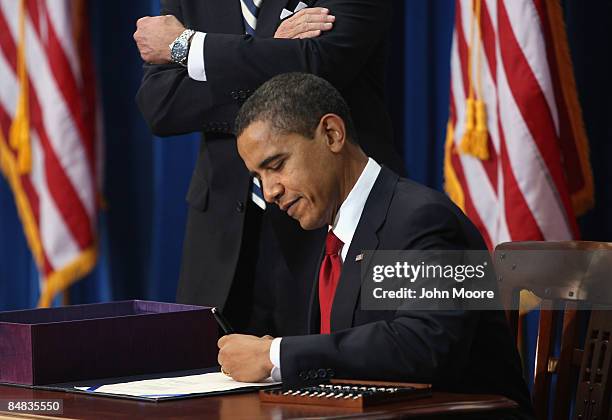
(173, 103)
(155, 33)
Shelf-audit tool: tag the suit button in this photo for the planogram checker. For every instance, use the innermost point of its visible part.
(322, 373)
(330, 373)
(312, 374)
(303, 375)
(242, 94)
(239, 206)
(234, 94)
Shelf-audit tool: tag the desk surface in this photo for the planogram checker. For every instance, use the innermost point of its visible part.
(245, 406)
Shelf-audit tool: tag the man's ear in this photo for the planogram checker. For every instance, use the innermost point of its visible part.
(332, 128)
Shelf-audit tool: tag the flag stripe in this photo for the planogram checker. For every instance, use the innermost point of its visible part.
(514, 215)
(529, 168)
(471, 173)
(489, 96)
(8, 48)
(470, 209)
(66, 81)
(51, 167)
(535, 114)
(59, 184)
(59, 125)
(64, 135)
(463, 28)
(489, 45)
(577, 176)
(521, 191)
(56, 239)
(9, 88)
(489, 35)
(35, 186)
(5, 121)
(56, 118)
(8, 103)
(523, 22)
(525, 86)
(469, 205)
(62, 189)
(477, 180)
(462, 49)
(59, 17)
(519, 219)
(90, 109)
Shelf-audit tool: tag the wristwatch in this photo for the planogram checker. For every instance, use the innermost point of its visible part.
(179, 49)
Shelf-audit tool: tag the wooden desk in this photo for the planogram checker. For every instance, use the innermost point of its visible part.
(247, 406)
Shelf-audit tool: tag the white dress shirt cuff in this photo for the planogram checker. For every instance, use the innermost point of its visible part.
(195, 60)
(275, 359)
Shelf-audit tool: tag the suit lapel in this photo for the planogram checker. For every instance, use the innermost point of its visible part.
(269, 17)
(365, 238)
(314, 314)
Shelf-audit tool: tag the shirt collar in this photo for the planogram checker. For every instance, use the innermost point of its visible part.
(350, 211)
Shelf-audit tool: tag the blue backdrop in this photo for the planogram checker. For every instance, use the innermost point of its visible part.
(146, 178)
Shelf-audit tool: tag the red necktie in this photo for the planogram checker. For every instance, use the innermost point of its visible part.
(329, 275)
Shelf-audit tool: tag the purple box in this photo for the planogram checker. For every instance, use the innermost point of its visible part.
(104, 340)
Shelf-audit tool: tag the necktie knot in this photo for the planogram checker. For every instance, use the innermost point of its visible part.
(333, 245)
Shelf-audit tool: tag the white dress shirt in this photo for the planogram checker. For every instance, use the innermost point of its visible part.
(344, 227)
(195, 59)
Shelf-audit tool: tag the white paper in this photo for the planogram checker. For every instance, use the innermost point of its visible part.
(178, 386)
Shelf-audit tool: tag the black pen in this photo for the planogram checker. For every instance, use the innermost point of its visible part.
(222, 321)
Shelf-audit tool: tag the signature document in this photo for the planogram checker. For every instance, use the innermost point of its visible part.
(176, 386)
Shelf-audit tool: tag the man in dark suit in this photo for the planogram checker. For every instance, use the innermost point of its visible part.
(296, 134)
(234, 253)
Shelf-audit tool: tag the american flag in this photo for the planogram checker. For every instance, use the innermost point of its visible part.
(49, 134)
(516, 156)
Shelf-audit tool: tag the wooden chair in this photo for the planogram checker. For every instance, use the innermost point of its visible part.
(573, 279)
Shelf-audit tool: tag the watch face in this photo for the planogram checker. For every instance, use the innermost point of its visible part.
(179, 51)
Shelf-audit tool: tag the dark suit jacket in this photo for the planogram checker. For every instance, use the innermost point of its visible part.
(351, 56)
(458, 351)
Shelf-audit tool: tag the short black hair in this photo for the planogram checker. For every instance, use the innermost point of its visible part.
(295, 103)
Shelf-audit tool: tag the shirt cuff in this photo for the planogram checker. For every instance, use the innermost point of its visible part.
(275, 359)
(195, 59)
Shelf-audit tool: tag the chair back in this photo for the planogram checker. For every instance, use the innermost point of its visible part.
(573, 281)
